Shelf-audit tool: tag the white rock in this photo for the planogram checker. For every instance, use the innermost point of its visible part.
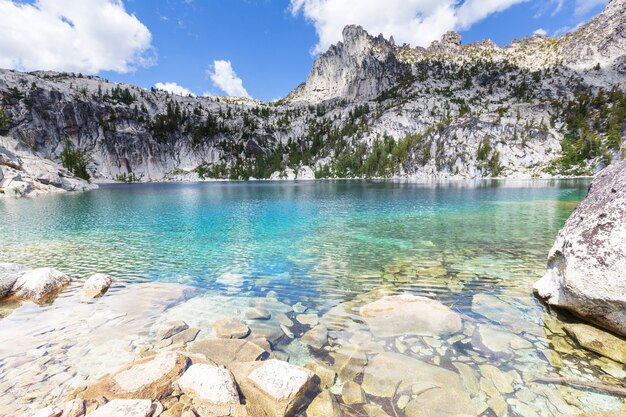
(305, 173)
(97, 284)
(208, 383)
(125, 408)
(280, 380)
(37, 284)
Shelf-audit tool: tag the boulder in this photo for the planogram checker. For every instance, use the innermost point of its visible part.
(125, 408)
(351, 393)
(40, 284)
(212, 388)
(226, 351)
(96, 285)
(231, 328)
(489, 339)
(145, 378)
(598, 341)
(258, 314)
(400, 315)
(324, 405)
(586, 271)
(316, 337)
(9, 273)
(273, 388)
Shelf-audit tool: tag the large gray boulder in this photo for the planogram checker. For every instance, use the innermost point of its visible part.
(586, 271)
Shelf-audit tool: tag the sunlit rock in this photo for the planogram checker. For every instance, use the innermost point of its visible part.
(212, 388)
(97, 284)
(40, 284)
(146, 378)
(598, 341)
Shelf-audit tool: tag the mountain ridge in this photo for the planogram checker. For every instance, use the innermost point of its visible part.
(539, 107)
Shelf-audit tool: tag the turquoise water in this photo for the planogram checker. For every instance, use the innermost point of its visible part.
(317, 240)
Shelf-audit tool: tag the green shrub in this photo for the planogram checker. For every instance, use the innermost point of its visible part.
(75, 160)
(4, 120)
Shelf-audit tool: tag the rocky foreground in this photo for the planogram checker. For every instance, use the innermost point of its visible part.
(103, 348)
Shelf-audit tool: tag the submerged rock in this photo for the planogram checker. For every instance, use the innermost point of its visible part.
(324, 405)
(316, 337)
(391, 374)
(97, 284)
(171, 328)
(488, 339)
(146, 378)
(231, 328)
(39, 284)
(227, 351)
(598, 341)
(586, 271)
(125, 408)
(399, 315)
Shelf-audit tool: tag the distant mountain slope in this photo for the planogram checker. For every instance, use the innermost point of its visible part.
(538, 107)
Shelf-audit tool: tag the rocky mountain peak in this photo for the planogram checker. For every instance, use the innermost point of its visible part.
(361, 66)
(450, 40)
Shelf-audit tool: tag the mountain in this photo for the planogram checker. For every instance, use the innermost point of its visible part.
(369, 108)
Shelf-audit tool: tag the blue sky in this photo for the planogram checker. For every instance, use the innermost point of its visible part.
(270, 44)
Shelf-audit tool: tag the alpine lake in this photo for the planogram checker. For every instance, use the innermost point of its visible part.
(288, 257)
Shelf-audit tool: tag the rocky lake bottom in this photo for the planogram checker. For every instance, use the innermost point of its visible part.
(403, 299)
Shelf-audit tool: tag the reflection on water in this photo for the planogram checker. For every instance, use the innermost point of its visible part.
(334, 246)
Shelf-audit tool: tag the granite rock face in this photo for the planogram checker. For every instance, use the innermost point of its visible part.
(586, 271)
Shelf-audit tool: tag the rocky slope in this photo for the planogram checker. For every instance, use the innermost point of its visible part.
(538, 107)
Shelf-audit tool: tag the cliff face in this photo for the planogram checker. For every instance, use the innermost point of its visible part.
(538, 107)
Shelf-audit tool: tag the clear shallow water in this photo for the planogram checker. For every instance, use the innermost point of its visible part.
(325, 240)
(334, 246)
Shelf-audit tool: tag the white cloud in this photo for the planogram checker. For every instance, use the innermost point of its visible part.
(66, 35)
(417, 22)
(225, 78)
(541, 32)
(174, 89)
(585, 6)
